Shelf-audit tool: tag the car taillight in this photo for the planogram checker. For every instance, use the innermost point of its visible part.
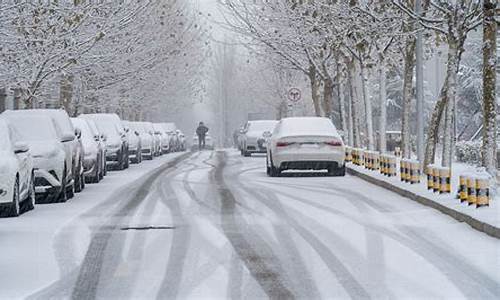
(283, 144)
(334, 143)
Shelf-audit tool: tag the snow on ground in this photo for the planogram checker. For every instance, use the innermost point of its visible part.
(30, 258)
(490, 215)
(240, 234)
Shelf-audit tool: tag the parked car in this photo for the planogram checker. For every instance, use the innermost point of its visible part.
(134, 143)
(147, 139)
(305, 143)
(252, 137)
(110, 125)
(101, 138)
(182, 141)
(148, 126)
(163, 137)
(170, 128)
(67, 136)
(49, 150)
(17, 176)
(94, 153)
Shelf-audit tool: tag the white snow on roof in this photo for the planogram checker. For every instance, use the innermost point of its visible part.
(307, 126)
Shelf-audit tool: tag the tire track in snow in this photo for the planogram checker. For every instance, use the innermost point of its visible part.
(90, 271)
(262, 264)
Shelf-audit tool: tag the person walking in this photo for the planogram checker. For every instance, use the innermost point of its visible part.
(201, 131)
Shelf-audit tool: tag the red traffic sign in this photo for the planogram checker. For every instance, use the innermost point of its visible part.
(294, 95)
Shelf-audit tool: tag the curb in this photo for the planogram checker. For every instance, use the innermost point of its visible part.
(476, 224)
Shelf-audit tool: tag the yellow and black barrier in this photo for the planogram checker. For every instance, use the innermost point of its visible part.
(462, 188)
(471, 190)
(414, 172)
(348, 154)
(436, 186)
(397, 152)
(404, 170)
(482, 191)
(429, 171)
(392, 166)
(445, 180)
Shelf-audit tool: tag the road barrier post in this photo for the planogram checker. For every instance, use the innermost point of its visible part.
(376, 161)
(435, 175)
(348, 154)
(429, 171)
(414, 171)
(482, 191)
(392, 166)
(471, 190)
(397, 152)
(462, 188)
(445, 179)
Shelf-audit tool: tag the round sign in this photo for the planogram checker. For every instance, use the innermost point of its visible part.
(294, 94)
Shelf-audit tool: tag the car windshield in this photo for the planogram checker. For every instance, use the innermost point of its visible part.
(262, 126)
(107, 127)
(34, 128)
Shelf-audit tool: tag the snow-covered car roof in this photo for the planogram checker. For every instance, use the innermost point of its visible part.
(59, 115)
(34, 127)
(307, 126)
(106, 117)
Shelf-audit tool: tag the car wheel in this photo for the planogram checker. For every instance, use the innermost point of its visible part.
(30, 201)
(14, 209)
(333, 170)
(273, 171)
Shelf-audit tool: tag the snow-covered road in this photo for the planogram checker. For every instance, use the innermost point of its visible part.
(213, 225)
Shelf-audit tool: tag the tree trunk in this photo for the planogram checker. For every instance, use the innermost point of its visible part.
(489, 147)
(407, 97)
(433, 129)
(3, 98)
(66, 93)
(451, 70)
(368, 107)
(343, 119)
(315, 82)
(328, 98)
(383, 108)
(354, 112)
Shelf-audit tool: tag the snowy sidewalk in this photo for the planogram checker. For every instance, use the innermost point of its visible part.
(484, 219)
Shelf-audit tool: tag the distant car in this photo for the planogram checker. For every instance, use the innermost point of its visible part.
(134, 143)
(305, 143)
(17, 176)
(253, 139)
(170, 128)
(163, 137)
(147, 139)
(182, 141)
(101, 140)
(93, 153)
(156, 137)
(116, 139)
(49, 156)
(209, 142)
(67, 136)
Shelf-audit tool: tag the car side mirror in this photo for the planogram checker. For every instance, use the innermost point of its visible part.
(67, 138)
(78, 133)
(267, 134)
(21, 147)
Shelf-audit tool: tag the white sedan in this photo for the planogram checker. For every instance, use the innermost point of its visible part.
(253, 138)
(17, 181)
(305, 143)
